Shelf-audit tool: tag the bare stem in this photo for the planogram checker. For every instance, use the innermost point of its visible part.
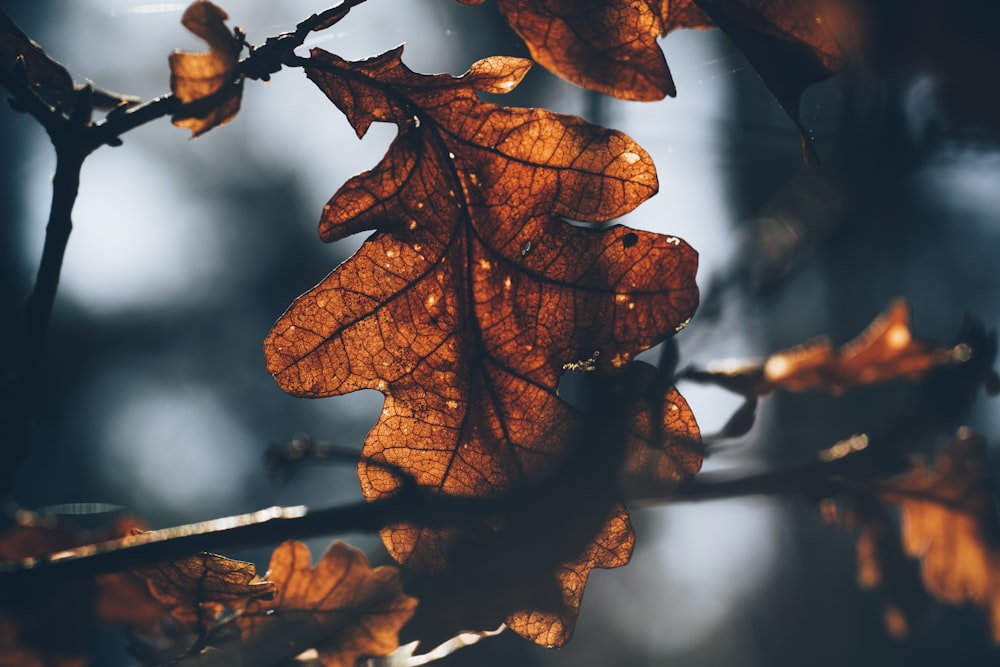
(325, 18)
(267, 526)
(22, 386)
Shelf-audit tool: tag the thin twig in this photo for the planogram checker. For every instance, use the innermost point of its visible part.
(813, 479)
(268, 526)
(108, 130)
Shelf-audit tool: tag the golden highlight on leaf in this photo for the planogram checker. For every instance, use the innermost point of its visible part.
(604, 45)
(610, 45)
(949, 522)
(530, 561)
(611, 548)
(198, 589)
(663, 441)
(341, 607)
(472, 295)
(208, 79)
(48, 625)
(885, 351)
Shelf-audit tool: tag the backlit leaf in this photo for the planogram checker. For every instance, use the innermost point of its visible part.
(49, 624)
(604, 45)
(21, 56)
(886, 350)
(610, 45)
(198, 589)
(882, 566)
(663, 439)
(529, 562)
(786, 41)
(611, 548)
(472, 297)
(47, 75)
(341, 607)
(950, 522)
(211, 77)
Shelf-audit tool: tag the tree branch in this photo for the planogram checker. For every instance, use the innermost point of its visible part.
(21, 386)
(267, 526)
(109, 130)
(411, 505)
(74, 136)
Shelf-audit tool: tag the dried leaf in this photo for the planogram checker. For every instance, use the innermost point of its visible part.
(663, 440)
(886, 350)
(341, 607)
(882, 565)
(610, 45)
(20, 56)
(950, 522)
(50, 624)
(611, 548)
(207, 83)
(41, 71)
(604, 45)
(472, 297)
(529, 566)
(528, 563)
(199, 589)
(786, 42)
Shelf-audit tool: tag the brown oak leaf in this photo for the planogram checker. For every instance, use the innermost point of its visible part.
(786, 42)
(565, 570)
(198, 589)
(207, 83)
(662, 441)
(610, 45)
(341, 606)
(949, 521)
(472, 296)
(604, 45)
(21, 56)
(529, 564)
(886, 350)
(41, 71)
(882, 565)
(49, 624)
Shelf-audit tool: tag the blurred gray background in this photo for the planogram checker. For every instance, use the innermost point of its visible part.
(185, 251)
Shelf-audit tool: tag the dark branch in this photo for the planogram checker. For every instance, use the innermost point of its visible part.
(74, 136)
(268, 526)
(21, 385)
(411, 505)
(38, 310)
